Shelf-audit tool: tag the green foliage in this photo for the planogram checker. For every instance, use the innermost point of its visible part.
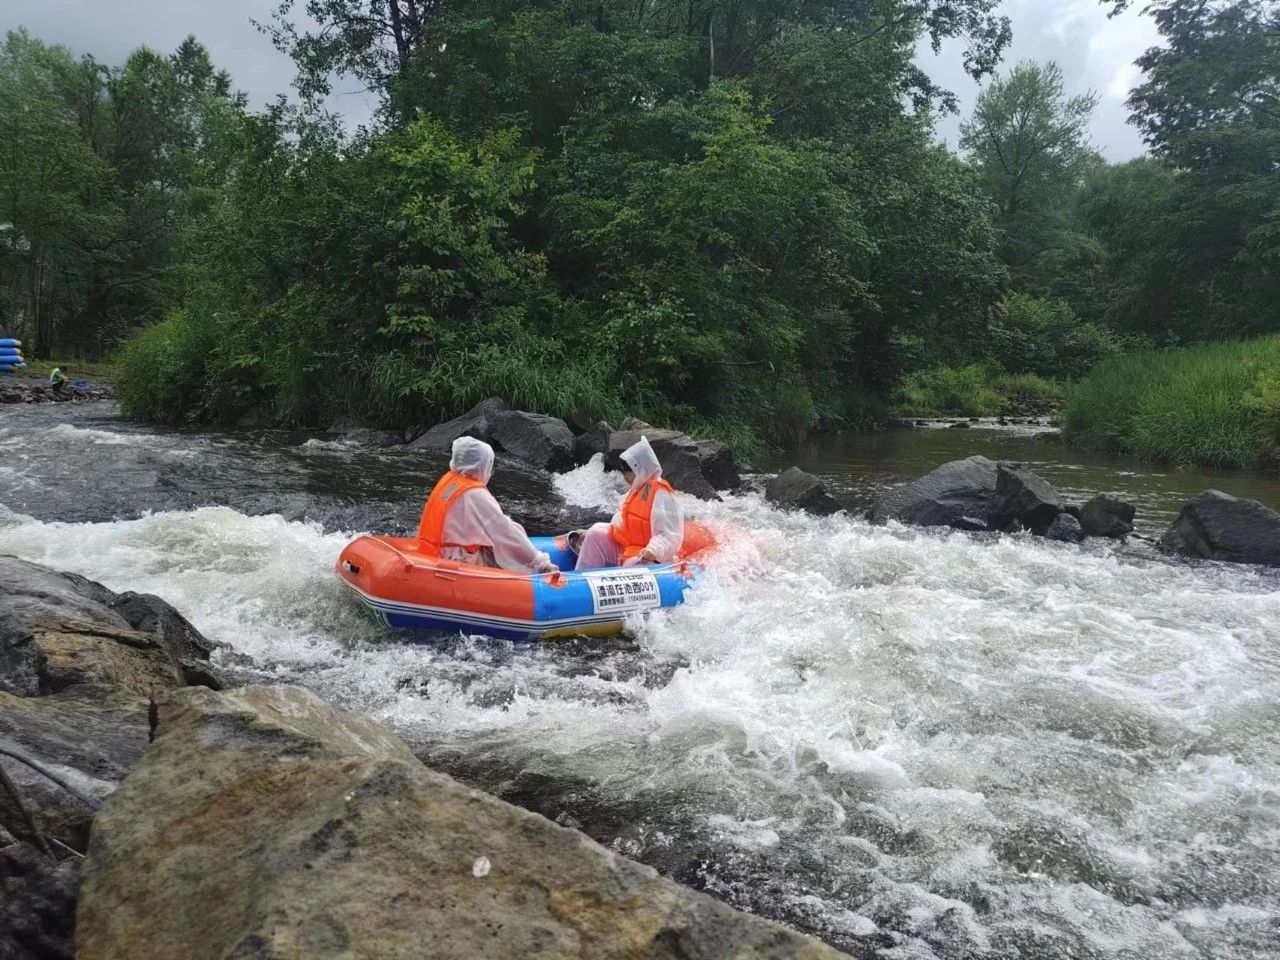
(1217, 405)
(100, 168)
(976, 390)
(160, 372)
(1044, 337)
(1029, 143)
(585, 209)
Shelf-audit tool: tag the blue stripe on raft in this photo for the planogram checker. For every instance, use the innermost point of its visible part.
(556, 609)
(10, 342)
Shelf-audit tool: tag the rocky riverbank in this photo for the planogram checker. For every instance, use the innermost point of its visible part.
(32, 390)
(259, 821)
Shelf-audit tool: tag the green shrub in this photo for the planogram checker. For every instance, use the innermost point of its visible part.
(1031, 335)
(161, 370)
(1217, 405)
(961, 391)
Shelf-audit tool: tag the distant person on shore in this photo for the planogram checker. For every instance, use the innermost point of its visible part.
(463, 522)
(58, 381)
(648, 527)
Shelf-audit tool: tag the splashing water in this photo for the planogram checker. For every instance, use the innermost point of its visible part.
(913, 744)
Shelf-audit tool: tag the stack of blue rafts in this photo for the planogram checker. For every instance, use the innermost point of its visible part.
(11, 356)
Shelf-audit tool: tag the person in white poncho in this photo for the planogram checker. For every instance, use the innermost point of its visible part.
(463, 522)
(648, 527)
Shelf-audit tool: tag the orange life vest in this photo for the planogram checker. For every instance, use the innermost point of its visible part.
(637, 509)
(431, 528)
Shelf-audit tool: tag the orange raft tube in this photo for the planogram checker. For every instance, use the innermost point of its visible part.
(407, 589)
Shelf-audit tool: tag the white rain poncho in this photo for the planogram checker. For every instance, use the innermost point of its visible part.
(476, 518)
(666, 522)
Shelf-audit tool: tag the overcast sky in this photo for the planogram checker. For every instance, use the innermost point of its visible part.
(1095, 53)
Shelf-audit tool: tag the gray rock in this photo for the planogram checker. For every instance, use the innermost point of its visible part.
(150, 614)
(533, 438)
(1217, 526)
(793, 489)
(696, 467)
(29, 590)
(476, 422)
(312, 832)
(581, 420)
(1107, 516)
(21, 660)
(717, 465)
(594, 440)
(77, 675)
(633, 423)
(1025, 497)
(956, 492)
(1066, 528)
(621, 439)
(88, 738)
(37, 903)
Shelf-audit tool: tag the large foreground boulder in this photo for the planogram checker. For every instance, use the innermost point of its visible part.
(59, 631)
(78, 664)
(263, 823)
(793, 489)
(1107, 516)
(959, 494)
(1217, 526)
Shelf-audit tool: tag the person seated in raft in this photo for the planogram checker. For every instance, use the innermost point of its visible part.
(648, 527)
(463, 522)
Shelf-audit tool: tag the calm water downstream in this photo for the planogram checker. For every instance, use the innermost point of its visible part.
(913, 744)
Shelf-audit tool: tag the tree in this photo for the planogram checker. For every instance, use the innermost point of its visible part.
(383, 43)
(48, 171)
(1029, 143)
(1209, 107)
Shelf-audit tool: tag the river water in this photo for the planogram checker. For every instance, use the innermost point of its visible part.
(913, 744)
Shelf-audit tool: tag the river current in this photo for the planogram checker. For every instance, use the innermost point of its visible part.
(913, 744)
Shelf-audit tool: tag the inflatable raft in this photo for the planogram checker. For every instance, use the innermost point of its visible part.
(406, 589)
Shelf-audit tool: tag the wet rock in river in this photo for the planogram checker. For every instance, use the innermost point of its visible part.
(1107, 516)
(311, 831)
(533, 438)
(962, 490)
(974, 494)
(1065, 528)
(1024, 496)
(696, 467)
(1217, 526)
(476, 422)
(594, 440)
(796, 490)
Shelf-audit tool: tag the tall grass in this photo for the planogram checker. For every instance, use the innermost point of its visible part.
(1216, 405)
(978, 390)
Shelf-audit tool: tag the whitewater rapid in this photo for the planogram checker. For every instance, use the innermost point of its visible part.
(913, 744)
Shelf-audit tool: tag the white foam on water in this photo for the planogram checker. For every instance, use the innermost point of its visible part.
(1005, 746)
(590, 485)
